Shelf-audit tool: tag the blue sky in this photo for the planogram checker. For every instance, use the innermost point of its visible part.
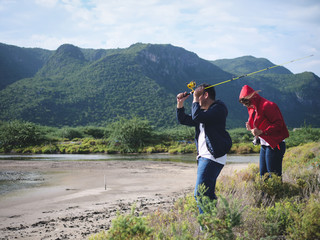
(279, 30)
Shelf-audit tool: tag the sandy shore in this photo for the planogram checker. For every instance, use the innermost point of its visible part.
(75, 199)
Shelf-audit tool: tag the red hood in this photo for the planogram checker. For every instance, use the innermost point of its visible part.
(254, 99)
(245, 91)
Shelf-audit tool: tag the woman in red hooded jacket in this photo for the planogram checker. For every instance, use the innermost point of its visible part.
(266, 124)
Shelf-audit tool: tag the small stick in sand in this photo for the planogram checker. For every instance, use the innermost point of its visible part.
(105, 183)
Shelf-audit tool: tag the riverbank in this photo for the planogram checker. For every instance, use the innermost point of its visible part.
(75, 199)
(101, 146)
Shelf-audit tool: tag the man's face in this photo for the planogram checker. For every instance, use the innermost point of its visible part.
(203, 98)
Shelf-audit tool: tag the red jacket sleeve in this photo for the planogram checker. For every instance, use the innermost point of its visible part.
(273, 121)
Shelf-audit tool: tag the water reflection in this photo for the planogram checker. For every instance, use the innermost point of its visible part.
(188, 158)
(15, 180)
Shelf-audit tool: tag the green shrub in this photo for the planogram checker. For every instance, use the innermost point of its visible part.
(240, 184)
(49, 149)
(271, 222)
(244, 148)
(219, 217)
(73, 149)
(126, 227)
(276, 206)
(99, 236)
(179, 223)
(273, 188)
(130, 135)
(306, 222)
(180, 133)
(17, 134)
(252, 227)
(36, 150)
(278, 218)
(306, 154)
(95, 132)
(240, 135)
(303, 135)
(70, 133)
(182, 148)
(307, 179)
(150, 150)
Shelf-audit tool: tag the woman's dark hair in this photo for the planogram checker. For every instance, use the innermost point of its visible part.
(245, 101)
(210, 90)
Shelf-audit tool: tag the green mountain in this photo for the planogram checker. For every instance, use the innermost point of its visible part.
(73, 86)
(248, 64)
(17, 63)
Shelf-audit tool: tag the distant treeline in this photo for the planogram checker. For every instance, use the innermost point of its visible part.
(134, 135)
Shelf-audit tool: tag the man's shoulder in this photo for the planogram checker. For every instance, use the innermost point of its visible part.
(219, 106)
(219, 103)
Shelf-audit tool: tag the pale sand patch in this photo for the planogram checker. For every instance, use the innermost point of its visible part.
(79, 198)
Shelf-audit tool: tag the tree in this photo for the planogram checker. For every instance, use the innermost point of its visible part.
(130, 134)
(20, 134)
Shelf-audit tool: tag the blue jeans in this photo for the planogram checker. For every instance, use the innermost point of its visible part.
(271, 159)
(208, 172)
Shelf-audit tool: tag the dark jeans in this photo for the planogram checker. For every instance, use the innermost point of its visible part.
(271, 159)
(208, 172)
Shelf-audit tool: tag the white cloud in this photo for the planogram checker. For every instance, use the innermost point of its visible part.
(277, 30)
(46, 3)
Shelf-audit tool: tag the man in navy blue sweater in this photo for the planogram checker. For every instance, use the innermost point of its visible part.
(213, 142)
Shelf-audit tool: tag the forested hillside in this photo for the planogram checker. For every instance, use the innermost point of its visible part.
(248, 64)
(73, 86)
(17, 63)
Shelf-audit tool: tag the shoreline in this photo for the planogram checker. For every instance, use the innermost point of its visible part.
(80, 198)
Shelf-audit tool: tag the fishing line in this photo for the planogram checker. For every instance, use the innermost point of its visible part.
(192, 84)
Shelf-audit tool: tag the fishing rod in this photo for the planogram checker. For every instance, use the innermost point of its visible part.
(192, 84)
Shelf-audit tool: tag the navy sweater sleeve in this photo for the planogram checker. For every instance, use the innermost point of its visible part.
(184, 118)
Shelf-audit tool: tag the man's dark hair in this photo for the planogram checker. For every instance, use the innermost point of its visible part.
(210, 90)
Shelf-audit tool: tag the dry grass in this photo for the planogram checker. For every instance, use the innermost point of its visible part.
(270, 208)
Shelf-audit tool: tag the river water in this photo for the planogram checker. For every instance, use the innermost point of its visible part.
(15, 180)
(187, 158)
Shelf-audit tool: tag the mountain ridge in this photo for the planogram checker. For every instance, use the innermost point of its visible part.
(74, 86)
(247, 64)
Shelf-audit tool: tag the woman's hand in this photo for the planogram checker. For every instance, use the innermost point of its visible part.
(248, 126)
(256, 132)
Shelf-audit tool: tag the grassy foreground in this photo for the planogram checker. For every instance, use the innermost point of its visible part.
(248, 207)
